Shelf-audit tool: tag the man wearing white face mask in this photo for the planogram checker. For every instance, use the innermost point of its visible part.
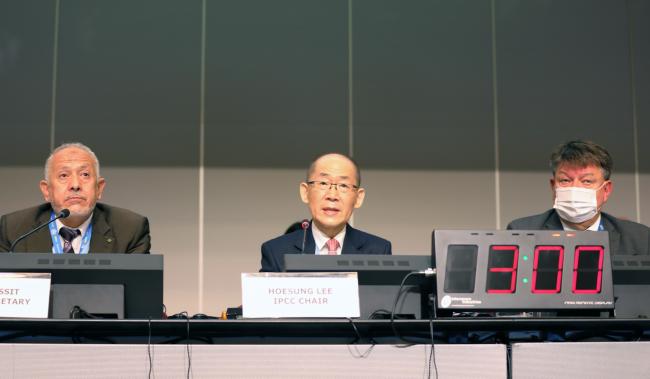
(581, 186)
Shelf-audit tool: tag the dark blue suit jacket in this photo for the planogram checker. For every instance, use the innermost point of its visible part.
(355, 242)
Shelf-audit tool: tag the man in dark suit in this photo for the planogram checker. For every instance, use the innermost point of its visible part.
(72, 182)
(332, 191)
(581, 186)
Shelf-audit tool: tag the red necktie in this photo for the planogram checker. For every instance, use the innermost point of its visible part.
(332, 246)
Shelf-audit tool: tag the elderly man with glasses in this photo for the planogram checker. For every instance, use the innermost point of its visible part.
(331, 191)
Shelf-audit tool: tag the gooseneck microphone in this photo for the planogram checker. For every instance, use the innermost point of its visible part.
(304, 226)
(63, 214)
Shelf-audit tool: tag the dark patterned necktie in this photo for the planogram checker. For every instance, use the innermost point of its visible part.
(68, 235)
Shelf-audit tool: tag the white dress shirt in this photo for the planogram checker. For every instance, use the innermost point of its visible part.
(321, 239)
(76, 242)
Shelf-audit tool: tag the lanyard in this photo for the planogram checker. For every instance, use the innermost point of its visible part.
(56, 239)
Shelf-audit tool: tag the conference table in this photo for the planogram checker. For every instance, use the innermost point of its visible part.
(444, 347)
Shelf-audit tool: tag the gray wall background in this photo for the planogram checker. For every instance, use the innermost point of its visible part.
(205, 114)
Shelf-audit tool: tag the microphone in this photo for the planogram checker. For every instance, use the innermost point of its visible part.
(304, 226)
(63, 214)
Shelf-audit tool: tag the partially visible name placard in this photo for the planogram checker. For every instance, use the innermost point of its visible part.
(313, 294)
(24, 294)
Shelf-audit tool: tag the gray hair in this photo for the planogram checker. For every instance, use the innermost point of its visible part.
(77, 145)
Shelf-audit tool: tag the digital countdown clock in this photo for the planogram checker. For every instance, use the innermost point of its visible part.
(522, 270)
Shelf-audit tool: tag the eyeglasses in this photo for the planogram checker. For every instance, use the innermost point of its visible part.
(325, 186)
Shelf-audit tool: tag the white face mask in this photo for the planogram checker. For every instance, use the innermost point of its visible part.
(576, 204)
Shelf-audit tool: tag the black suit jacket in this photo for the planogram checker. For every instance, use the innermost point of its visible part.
(355, 242)
(625, 237)
(115, 230)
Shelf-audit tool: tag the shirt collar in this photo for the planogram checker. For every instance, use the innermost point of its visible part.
(82, 228)
(320, 238)
(594, 227)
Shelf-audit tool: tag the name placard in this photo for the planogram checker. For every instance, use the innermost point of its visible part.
(313, 294)
(24, 294)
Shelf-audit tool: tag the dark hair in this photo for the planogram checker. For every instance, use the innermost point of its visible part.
(582, 153)
(354, 163)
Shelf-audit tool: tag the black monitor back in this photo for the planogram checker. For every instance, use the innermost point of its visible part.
(631, 277)
(141, 275)
(379, 276)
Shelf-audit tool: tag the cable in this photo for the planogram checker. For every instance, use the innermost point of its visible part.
(432, 357)
(392, 313)
(379, 312)
(509, 360)
(79, 313)
(149, 348)
(181, 315)
(356, 331)
(184, 315)
(187, 346)
(357, 354)
(428, 272)
(203, 316)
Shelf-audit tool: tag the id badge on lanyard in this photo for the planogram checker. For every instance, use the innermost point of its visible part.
(56, 239)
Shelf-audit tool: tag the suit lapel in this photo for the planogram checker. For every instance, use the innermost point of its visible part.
(40, 242)
(553, 222)
(103, 240)
(614, 235)
(310, 245)
(353, 242)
